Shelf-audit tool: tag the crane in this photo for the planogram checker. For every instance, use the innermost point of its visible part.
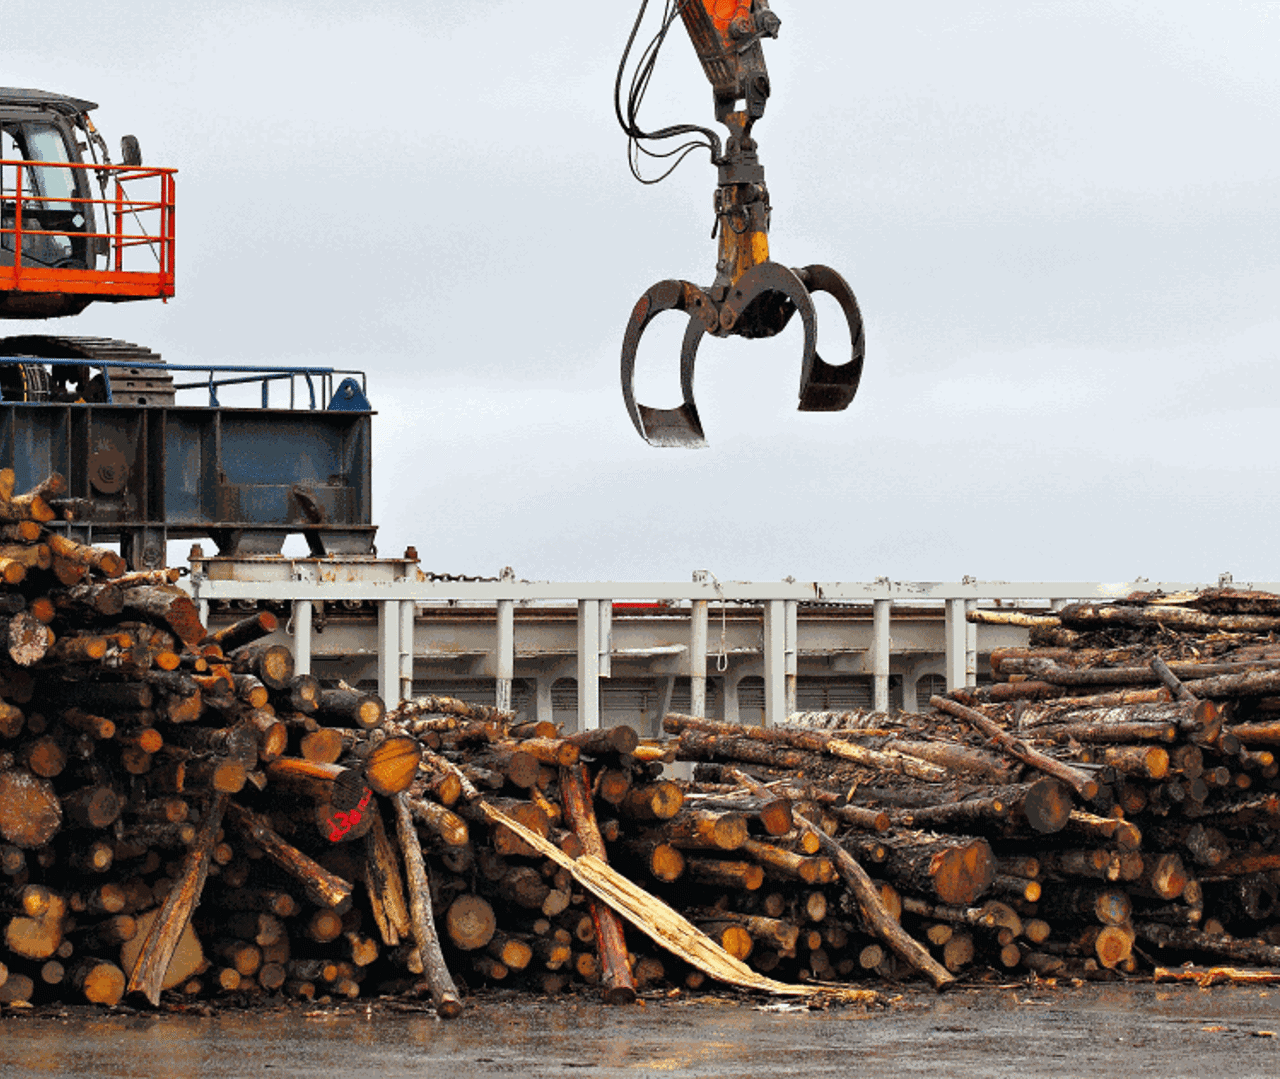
(751, 296)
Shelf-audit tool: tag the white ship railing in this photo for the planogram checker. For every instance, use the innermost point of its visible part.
(398, 588)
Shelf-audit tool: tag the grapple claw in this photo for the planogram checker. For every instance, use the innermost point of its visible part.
(680, 426)
(826, 387)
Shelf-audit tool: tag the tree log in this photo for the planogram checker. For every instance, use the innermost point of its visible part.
(616, 978)
(955, 869)
(30, 812)
(439, 982)
(167, 606)
(1082, 784)
(349, 708)
(874, 915)
(1256, 952)
(322, 887)
(1093, 615)
(148, 973)
(272, 663)
(245, 631)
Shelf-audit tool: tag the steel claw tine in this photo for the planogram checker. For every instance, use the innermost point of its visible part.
(666, 426)
(826, 387)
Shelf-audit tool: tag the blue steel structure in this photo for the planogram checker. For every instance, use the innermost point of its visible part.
(142, 474)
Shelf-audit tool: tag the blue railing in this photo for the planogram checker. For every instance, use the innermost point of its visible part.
(349, 396)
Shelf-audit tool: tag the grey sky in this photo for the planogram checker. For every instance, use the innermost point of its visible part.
(1061, 219)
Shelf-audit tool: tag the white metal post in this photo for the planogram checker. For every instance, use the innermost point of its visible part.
(667, 691)
(408, 611)
(698, 657)
(504, 661)
(302, 636)
(588, 664)
(792, 653)
(880, 645)
(545, 708)
(955, 636)
(775, 662)
(606, 638)
(970, 645)
(730, 698)
(389, 651)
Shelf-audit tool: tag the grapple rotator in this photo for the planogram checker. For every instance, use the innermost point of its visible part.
(752, 296)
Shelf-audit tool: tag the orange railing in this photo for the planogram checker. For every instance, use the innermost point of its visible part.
(130, 221)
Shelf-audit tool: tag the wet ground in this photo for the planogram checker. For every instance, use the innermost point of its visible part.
(1091, 1031)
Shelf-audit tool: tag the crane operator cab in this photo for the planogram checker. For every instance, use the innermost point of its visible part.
(57, 213)
(72, 230)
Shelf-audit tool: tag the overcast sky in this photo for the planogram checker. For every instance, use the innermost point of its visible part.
(1061, 220)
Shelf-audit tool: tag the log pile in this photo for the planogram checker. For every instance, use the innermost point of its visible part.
(167, 796)
(181, 811)
(1108, 804)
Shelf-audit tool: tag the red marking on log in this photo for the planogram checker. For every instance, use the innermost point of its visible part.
(344, 821)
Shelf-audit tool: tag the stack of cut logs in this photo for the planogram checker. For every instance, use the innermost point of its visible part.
(182, 811)
(1110, 803)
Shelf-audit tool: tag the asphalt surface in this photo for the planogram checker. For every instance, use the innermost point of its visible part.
(1095, 1030)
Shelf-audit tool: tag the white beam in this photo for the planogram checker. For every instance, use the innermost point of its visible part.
(389, 651)
(606, 638)
(775, 663)
(206, 588)
(408, 610)
(956, 638)
(544, 709)
(504, 660)
(588, 664)
(970, 645)
(698, 658)
(792, 616)
(302, 636)
(880, 646)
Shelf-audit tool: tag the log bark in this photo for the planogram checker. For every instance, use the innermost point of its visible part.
(384, 884)
(697, 829)
(606, 741)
